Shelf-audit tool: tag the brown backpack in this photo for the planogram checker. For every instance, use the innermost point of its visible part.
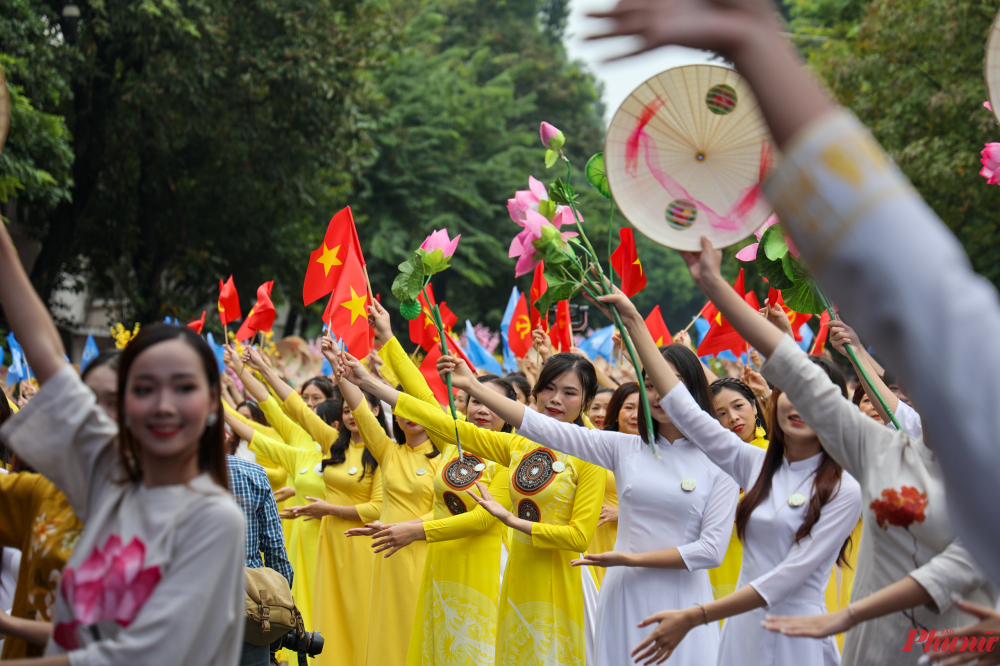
(271, 611)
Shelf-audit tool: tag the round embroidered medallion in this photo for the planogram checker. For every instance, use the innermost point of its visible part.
(534, 472)
(528, 510)
(454, 504)
(459, 474)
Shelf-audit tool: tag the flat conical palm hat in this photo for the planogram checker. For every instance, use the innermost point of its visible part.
(4, 110)
(685, 155)
(993, 67)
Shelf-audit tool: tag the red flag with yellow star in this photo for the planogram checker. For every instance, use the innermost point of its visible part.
(261, 315)
(327, 262)
(796, 319)
(197, 324)
(347, 312)
(423, 331)
(625, 261)
(658, 328)
(229, 302)
(519, 332)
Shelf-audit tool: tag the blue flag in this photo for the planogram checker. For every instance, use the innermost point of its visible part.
(19, 369)
(599, 343)
(480, 358)
(90, 352)
(217, 350)
(807, 337)
(327, 369)
(509, 359)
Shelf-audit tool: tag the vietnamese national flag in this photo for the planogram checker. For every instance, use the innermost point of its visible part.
(519, 332)
(796, 319)
(448, 318)
(820, 345)
(327, 262)
(625, 261)
(429, 370)
(722, 336)
(423, 331)
(561, 332)
(710, 313)
(261, 315)
(348, 308)
(658, 328)
(539, 285)
(229, 302)
(198, 324)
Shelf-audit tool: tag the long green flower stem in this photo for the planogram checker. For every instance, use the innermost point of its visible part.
(611, 228)
(626, 340)
(854, 356)
(439, 323)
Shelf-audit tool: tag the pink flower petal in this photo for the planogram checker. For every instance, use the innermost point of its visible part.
(749, 253)
(64, 634)
(136, 595)
(547, 132)
(770, 222)
(537, 188)
(988, 105)
(791, 247)
(526, 264)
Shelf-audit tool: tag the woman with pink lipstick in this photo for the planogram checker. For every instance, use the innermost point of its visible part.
(163, 541)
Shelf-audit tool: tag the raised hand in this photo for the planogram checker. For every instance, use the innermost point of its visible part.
(777, 316)
(705, 266)
(756, 383)
(281, 494)
(352, 370)
(461, 375)
(841, 334)
(683, 338)
(542, 343)
(485, 500)
(378, 319)
(253, 358)
(231, 358)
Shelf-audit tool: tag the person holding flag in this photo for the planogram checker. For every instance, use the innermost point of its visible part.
(261, 315)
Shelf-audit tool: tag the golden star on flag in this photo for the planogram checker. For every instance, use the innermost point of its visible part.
(329, 258)
(637, 263)
(356, 305)
(659, 343)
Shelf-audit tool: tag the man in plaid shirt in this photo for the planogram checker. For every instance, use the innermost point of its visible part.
(248, 483)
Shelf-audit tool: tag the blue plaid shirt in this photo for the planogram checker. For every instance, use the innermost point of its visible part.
(248, 483)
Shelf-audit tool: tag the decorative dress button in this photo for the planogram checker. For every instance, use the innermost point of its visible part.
(319, 447)
(421, 471)
(796, 500)
(303, 470)
(353, 470)
(480, 467)
(318, 468)
(558, 466)
(687, 485)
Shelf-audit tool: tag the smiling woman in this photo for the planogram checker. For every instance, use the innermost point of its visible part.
(155, 507)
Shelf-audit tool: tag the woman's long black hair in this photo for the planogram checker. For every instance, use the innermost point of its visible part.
(692, 375)
(618, 398)
(332, 411)
(508, 392)
(561, 363)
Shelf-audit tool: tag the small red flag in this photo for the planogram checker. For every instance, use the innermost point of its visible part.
(658, 328)
(197, 324)
(820, 344)
(261, 315)
(539, 285)
(429, 370)
(423, 331)
(229, 302)
(348, 319)
(519, 332)
(710, 313)
(448, 318)
(327, 262)
(722, 336)
(625, 261)
(561, 332)
(796, 319)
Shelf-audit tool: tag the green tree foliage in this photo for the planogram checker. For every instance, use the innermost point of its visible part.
(912, 70)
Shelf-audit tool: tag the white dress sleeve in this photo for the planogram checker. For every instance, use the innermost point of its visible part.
(195, 614)
(66, 437)
(837, 519)
(845, 204)
(716, 526)
(909, 420)
(738, 459)
(952, 571)
(600, 447)
(845, 433)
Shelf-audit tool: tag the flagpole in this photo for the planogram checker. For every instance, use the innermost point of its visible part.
(368, 282)
(695, 318)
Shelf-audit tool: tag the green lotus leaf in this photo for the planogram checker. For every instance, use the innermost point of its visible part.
(597, 176)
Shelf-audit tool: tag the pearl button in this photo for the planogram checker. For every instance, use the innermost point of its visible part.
(318, 468)
(480, 467)
(796, 500)
(353, 470)
(558, 466)
(303, 470)
(421, 471)
(687, 485)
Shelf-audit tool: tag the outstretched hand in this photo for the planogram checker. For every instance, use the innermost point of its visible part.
(813, 626)
(705, 266)
(378, 319)
(485, 500)
(609, 559)
(776, 314)
(461, 375)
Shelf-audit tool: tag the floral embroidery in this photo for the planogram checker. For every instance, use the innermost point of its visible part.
(41, 531)
(111, 584)
(901, 509)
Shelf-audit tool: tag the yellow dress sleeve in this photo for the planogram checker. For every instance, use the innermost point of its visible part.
(472, 522)
(371, 510)
(290, 431)
(372, 433)
(575, 537)
(17, 492)
(491, 445)
(316, 427)
(259, 427)
(409, 375)
(286, 456)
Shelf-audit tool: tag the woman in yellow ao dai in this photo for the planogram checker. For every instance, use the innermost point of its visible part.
(557, 500)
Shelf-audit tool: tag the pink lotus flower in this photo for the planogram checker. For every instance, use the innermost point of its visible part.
(111, 584)
(988, 105)
(523, 244)
(552, 138)
(749, 253)
(525, 200)
(991, 163)
(439, 239)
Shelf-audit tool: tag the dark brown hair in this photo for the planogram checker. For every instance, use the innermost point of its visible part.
(211, 447)
(333, 411)
(618, 398)
(508, 392)
(734, 384)
(826, 482)
(323, 384)
(692, 374)
(859, 394)
(400, 436)
(564, 362)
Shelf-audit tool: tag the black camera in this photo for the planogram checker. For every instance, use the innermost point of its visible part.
(304, 643)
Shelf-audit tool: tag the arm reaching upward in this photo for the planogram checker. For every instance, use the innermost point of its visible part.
(462, 378)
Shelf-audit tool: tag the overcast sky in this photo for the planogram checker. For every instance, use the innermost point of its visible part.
(619, 78)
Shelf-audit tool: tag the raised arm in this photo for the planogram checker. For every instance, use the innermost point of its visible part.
(841, 334)
(599, 447)
(27, 315)
(462, 378)
(393, 355)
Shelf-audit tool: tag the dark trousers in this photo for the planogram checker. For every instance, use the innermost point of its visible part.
(255, 655)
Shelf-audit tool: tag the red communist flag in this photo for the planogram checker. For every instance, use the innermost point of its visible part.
(625, 261)
(448, 318)
(561, 332)
(820, 344)
(261, 315)
(347, 313)
(423, 331)
(229, 302)
(519, 332)
(539, 285)
(796, 319)
(327, 262)
(198, 324)
(658, 328)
